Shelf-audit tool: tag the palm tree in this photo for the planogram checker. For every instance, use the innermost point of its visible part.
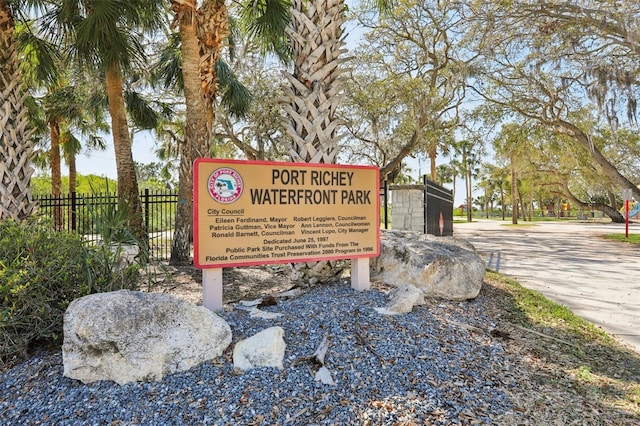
(203, 34)
(89, 125)
(16, 147)
(317, 41)
(199, 108)
(511, 144)
(469, 162)
(316, 37)
(36, 57)
(105, 36)
(456, 170)
(61, 106)
(438, 141)
(497, 177)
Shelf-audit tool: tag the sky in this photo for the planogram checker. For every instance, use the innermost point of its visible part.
(103, 163)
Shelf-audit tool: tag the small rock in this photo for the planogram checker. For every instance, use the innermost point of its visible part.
(264, 349)
(323, 375)
(402, 300)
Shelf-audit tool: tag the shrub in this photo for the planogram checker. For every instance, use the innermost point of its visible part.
(41, 272)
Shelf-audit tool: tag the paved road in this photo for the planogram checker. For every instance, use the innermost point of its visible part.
(569, 263)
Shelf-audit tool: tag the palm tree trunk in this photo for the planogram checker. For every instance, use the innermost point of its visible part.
(514, 191)
(433, 154)
(73, 173)
(56, 175)
(128, 196)
(73, 176)
(531, 203)
(182, 231)
(202, 33)
(523, 209)
(195, 127)
(16, 147)
(469, 189)
(313, 96)
(454, 177)
(486, 203)
(503, 207)
(312, 99)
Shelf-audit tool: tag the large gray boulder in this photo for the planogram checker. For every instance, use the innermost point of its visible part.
(441, 267)
(129, 336)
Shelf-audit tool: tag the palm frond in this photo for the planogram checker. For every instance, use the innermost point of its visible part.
(96, 142)
(167, 70)
(39, 57)
(235, 33)
(62, 103)
(103, 33)
(71, 145)
(236, 98)
(95, 104)
(37, 118)
(140, 110)
(266, 21)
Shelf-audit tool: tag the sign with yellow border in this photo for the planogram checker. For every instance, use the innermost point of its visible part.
(258, 212)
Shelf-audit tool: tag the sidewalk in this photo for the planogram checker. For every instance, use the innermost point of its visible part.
(571, 264)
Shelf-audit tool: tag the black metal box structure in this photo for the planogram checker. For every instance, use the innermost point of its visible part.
(438, 209)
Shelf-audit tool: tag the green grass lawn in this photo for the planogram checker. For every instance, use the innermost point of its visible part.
(633, 238)
(577, 354)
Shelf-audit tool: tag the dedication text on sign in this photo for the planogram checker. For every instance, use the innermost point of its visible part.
(255, 212)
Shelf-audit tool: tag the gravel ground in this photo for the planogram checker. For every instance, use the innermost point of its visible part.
(416, 368)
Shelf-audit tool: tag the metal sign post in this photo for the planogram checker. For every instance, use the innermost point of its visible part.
(626, 214)
(626, 195)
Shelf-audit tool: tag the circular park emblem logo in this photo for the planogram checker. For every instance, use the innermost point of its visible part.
(225, 185)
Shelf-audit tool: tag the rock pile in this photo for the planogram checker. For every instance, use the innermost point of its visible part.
(134, 336)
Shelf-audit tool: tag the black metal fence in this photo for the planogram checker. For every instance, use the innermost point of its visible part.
(384, 204)
(438, 209)
(82, 213)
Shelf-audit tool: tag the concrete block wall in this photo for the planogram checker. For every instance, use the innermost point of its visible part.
(407, 213)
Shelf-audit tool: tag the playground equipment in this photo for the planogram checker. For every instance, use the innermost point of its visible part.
(634, 209)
